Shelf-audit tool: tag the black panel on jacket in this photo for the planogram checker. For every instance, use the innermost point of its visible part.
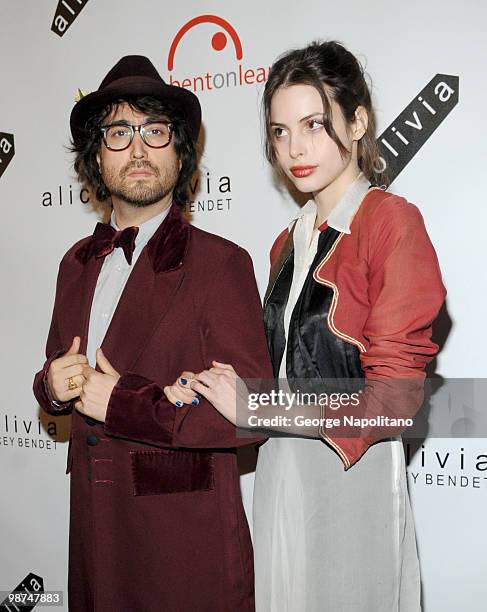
(314, 353)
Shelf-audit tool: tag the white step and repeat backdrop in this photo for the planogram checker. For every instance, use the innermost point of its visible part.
(426, 62)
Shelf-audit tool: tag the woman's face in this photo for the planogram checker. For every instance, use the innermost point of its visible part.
(304, 151)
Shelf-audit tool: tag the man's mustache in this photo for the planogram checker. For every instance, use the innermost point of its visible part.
(138, 166)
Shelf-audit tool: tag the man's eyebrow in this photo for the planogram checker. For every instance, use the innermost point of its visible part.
(300, 120)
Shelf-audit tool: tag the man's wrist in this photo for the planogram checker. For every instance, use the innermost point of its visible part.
(54, 402)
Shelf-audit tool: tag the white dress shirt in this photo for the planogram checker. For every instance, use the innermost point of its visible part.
(111, 282)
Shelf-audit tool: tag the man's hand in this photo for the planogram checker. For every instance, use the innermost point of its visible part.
(97, 388)
(68, 366)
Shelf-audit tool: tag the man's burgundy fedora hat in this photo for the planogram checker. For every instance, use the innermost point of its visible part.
(135, 75)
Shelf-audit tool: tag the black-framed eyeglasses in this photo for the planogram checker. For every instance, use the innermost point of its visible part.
(119, 136)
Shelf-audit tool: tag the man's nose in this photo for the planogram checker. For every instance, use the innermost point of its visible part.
(138, 147)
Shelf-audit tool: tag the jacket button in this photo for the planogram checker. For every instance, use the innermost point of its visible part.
(92, 440)
(90, 421)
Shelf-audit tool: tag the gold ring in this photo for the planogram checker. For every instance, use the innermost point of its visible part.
(71, 384)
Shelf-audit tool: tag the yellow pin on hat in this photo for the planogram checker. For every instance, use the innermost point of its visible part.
(81, 93)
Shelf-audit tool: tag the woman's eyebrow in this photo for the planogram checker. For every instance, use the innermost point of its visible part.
(276, 123)
(310, 116)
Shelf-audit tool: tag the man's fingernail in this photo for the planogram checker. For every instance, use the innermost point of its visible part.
(183, 381)
(179, 403)
(196, 401)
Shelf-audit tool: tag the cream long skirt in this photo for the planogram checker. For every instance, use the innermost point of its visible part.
(333, 541)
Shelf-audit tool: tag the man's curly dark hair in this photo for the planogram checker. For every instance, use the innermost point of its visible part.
(87, 147)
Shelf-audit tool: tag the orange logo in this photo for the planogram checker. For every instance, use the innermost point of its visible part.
(218, 42)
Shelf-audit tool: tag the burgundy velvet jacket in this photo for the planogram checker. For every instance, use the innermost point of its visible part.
(157, 521)
(387, 291)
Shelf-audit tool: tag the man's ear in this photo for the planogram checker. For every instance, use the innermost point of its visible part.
(360, 123)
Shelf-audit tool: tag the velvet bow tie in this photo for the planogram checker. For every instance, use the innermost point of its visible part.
(106, 238)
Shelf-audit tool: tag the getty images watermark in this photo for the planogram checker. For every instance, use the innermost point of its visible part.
(315, 402)
(417, 408)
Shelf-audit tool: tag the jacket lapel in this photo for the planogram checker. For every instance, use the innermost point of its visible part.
(276, 269)
(75, 303)
(150, 289)
(142, 306)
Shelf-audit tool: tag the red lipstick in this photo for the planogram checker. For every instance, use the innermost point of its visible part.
(302, 171)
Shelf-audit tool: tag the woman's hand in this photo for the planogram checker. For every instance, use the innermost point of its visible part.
(219, 386)
(180, 392)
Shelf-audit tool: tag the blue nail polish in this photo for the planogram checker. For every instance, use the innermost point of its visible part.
(179, 403)
(196, 401)
(183, 381)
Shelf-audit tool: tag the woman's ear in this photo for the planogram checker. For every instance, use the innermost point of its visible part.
(360, 123)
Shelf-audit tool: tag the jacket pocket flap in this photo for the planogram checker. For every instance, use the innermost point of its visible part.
(156, 472)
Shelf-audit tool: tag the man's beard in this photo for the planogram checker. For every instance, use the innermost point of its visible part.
(144, 191)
